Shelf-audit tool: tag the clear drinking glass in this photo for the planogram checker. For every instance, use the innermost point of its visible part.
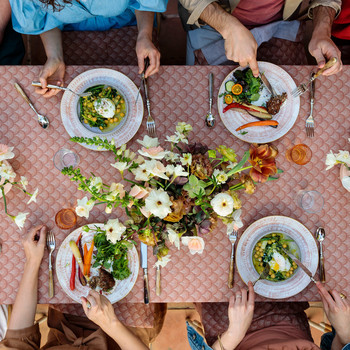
(310, 201)
(65, 158)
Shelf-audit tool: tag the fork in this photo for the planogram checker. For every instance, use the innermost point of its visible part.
(232, 237)
(305, 86)
(51, 245)
(309, 124)
(264, 274)
(51, 86)
(150, 124)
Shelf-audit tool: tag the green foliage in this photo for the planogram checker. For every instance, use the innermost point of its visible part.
(195, 187)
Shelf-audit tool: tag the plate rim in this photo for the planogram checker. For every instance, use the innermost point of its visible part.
(66, 239)
(269, 218)
(295, 101)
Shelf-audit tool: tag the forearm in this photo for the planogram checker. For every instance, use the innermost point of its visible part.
(23, 312)
(123, 337)
(229, 341)
(323, 17)
(5, 15)
(337, 343)
(219, 19)
(144, 23)
(52, 41)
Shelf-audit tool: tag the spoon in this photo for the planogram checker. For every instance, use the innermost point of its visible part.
(210, 119)
(264, 274)
(42, 120)
(320, 236)
(50, 86)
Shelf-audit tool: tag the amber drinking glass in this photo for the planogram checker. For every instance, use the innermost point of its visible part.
(299, 154)
(66, 219)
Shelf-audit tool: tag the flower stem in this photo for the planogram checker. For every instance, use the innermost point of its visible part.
(3, 196)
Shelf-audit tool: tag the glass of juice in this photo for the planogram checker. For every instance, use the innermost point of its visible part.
(299, 154)
(66, 218)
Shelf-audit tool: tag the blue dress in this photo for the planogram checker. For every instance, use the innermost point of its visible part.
(34, 17)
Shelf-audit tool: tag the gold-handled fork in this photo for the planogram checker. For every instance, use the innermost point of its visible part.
(51, 245)
(305, 86)
(233, 238)
(264, 274)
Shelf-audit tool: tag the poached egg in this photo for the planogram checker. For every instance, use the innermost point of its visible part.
(279, 263)
(105, 107)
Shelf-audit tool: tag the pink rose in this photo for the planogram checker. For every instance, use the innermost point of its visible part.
(195, 244)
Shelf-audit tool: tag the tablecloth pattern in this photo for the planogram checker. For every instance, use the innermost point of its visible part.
(177, 93)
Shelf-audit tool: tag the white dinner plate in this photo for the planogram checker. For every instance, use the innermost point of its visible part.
(281, 81)
(308, 256)
(64, 268)
(128, 127)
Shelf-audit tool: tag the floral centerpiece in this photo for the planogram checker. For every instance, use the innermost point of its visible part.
(342, 158)
(176, 194)
(7, 181)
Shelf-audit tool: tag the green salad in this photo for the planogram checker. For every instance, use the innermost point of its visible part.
(268, 250)
(105, 108)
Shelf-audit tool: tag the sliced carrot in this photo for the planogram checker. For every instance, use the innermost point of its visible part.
(85, 254)
(258, 123)
(87, 262)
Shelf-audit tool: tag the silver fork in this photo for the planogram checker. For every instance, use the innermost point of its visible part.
(150, 124)
(305, 86)
(309, 123)
(51, 245)
(51, 86)
(233, 238)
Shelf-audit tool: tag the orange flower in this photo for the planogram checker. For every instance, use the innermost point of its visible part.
(262, 158)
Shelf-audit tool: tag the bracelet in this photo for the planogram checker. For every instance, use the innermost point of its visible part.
(220, 343)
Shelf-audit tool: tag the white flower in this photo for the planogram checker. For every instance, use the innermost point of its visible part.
(220, 176)
(346, 182)
(19, 219)
(149, 142)
(343, 157)
(141, 173)
(153, 152)
(236, 222)
(172, 139)
(180, 171)
(96, 182)
(33, 196)
(138, 192)
(170, 169)
(162, 262)
(6, 172)
(108, 209)
(6, 152)
(121, 166)
(156, 168)
(181, 137)
(186, 159)
(129, 154)
(114, 230)
(195, 244)
(231, 165)
(145, 212)
(183, 127)
(83, 207)
(222, 204)
(172, 157)
(173, 237)
(331, 160)
(115, 189)
(139, 160)
(24, 182)
(158, 203)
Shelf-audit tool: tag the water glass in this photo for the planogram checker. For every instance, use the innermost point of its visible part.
(65, 158)
(310, 201)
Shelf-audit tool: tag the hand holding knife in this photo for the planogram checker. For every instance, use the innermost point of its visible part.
(142, 78)
(145, 272)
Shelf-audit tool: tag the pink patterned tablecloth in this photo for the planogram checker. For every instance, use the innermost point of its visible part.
(177, 93)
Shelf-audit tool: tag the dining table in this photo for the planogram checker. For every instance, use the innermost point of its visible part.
(177, 94)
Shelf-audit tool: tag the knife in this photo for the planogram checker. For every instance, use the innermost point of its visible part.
(300, 264)
(142, 78)
(267, 84)
(145, 273)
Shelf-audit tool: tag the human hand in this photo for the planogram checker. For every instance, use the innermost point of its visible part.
(34, 245)
(337, 311)
(240, 312)
(145, 48)
(52, 71)
(241, 47)
(100, 311)
(323, 49)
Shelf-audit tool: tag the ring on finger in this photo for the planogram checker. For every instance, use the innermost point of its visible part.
(343, 296)
(239, 296)
(88, 305)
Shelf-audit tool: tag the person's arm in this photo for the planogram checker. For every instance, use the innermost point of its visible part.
(338, 313)
(54, 67)
(321, 46)
(23, 312)
(240, 45)
(101, 312)
(5, 15)
(144, 45)
(240, 314)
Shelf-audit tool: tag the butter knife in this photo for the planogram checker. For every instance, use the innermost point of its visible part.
(145, 272)
(267, 84)
(300, 264)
